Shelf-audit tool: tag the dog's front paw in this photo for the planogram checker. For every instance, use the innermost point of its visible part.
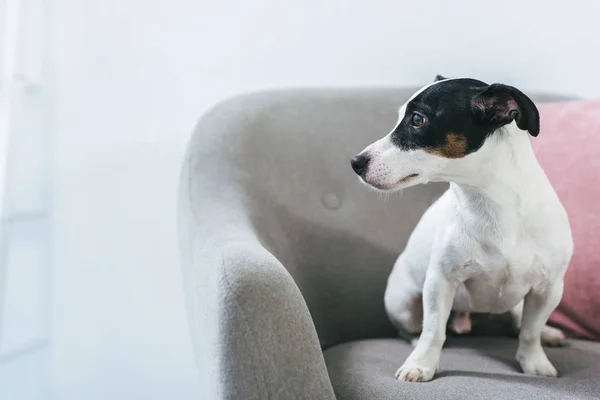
(536, 363)
(414, 372)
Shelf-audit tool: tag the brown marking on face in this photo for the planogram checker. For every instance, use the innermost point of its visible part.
(454, 147)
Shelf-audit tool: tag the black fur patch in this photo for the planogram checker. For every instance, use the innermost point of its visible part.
(460, 114)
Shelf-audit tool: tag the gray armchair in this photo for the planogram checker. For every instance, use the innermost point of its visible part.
(285, 258)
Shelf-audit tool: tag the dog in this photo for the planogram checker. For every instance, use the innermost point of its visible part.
(497, 241)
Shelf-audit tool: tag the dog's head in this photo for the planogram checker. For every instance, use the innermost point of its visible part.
(441, 124)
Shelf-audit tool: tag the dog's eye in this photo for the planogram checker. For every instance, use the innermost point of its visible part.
(417, 119)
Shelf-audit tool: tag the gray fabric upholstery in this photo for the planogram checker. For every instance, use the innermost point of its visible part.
(284, 252)
(470, 368)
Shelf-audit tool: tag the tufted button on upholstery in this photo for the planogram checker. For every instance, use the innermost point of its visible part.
(331, 201)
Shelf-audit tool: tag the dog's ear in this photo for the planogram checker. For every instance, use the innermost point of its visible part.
(501, 104)
(439, 78)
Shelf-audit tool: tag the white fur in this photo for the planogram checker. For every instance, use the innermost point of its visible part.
(498, 240)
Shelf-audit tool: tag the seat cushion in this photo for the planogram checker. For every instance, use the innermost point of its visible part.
(470, 368)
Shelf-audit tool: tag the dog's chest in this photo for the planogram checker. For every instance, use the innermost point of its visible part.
(499, 278)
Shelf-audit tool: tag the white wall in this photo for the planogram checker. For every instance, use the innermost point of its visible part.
(132, 77)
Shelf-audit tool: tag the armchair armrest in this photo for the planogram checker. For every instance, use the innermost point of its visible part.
(253, 336)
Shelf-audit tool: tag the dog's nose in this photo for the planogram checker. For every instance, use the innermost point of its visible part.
(359, 163)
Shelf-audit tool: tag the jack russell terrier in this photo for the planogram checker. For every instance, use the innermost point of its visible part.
(497, 240)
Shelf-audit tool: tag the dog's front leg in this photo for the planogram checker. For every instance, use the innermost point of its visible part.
(537, 307)
(438, 296)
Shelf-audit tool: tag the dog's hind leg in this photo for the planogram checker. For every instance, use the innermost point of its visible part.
(404, 303)
(460, 322)
(405, 311)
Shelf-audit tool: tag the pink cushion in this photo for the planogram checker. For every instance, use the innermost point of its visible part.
(568, 149)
